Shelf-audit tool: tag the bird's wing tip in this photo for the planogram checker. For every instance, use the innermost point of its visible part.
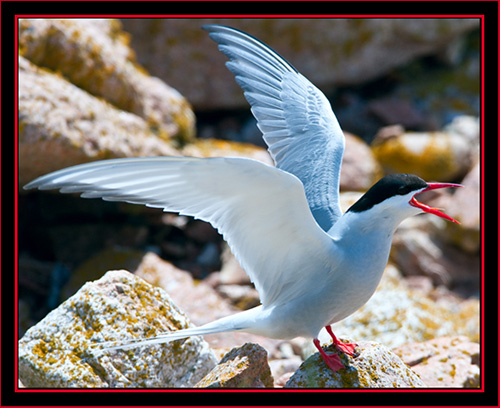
(32, 185)
(213, 27)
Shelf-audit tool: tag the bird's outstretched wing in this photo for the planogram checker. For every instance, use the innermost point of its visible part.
(296, 119)
(261, 211)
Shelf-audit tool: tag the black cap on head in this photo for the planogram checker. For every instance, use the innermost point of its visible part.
(389, 186)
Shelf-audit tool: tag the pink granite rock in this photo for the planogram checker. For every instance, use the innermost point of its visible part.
(444, 362)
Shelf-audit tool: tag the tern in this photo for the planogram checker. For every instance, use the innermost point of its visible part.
(311, 264)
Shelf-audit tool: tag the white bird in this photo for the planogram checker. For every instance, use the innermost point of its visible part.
(312, 265)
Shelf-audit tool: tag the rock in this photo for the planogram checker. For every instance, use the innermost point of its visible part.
(433, 156)
(330, 52)
(391, 110)
(417, 254)
(419, 250)
(108, 259)
(444, 362)
(201, 302)
(225, 148)
(360, 169)
(61, 125)
(349, 198)
(281, 381)
(243, 297)
(282, 369)
(464, 206)
(375, 367)
(198, 300)
(231, 272)
(396, 315)
(242, 367)
(389, 132)
(60, 350)
(233, 283)
(467, 127)
(95, 56)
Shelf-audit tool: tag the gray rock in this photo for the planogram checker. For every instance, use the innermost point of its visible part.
(330, 52)
(375, 367)
(242, 367)
(60, 350)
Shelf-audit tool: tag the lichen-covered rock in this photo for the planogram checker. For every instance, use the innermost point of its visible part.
(60, 351)
(330, 52)
(444, 362)
(61, 125)
(375, 367)
(242, 367)
(438, 156)
(94, 55)
(201, 302)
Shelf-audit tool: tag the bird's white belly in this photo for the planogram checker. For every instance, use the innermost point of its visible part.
(334, 298)
(306, 315)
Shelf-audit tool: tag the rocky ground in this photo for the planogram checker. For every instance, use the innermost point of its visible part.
(86, 92)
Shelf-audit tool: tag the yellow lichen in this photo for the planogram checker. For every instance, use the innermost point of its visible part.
(40, 349)
(433, 159)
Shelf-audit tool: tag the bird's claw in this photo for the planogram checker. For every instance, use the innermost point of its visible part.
(333, 361)
(347, 348)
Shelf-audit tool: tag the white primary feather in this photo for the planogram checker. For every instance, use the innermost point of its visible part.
(296, 119)
(261, 211)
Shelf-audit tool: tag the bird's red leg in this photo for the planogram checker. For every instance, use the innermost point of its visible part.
(331, 360)
(348, 348)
